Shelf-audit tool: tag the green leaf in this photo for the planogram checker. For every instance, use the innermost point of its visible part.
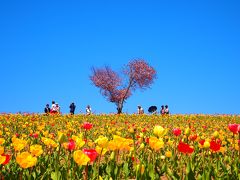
(116, 171)
(108, 170)
(125, 169)
(151, 171)
(189, 172)
(55, 175)
(223, 167)
(34, 175)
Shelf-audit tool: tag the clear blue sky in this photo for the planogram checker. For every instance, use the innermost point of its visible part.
(47, 49)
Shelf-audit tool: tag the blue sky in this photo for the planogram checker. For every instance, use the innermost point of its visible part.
(47, 49)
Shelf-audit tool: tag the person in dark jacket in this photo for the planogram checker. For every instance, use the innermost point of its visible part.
(47, 109)
(72, 108)
(162, 110)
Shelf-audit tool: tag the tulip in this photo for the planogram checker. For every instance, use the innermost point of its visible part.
(185, 148)
(62, 138)
(91, 153)
(233, 128)
(36, 150)
(193, 137)
(80, 158)
(177, 131)
(168, 154)
(214, 146)
(187, 131)
(87, 125)
(71, 145)
(142, 146)
(35, 135)
(216, 134)
(8, 157)
(206, 145)
(159, 131)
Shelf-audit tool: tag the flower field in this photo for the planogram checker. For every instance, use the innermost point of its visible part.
(34, 146)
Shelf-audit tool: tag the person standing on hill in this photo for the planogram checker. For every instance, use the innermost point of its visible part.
(166, 111)
(58, 108)
(140, 110)
(53, 108)
(162, 111)
(72, 108)
(47, 109)
(88, 110)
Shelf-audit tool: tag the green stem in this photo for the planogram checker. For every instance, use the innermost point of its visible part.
(98, 166)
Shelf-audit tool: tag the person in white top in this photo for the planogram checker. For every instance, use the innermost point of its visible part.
(140, 110)
(166, 111)
(88, 110)
(53, 108)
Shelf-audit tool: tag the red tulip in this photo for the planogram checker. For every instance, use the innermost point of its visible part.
(144, 130)
(91, 153)
(233, 128)
(177, 131)
(87, 125)
(193, 137)
(147, 140)
(35, 135)
(214, 146)
(71, 145)
(202, 141)
(185, 148)
(8, 157)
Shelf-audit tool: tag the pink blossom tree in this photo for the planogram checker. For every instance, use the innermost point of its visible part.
(137, 74)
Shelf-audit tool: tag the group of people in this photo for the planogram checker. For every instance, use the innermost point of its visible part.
(164, 109)
(55, 109)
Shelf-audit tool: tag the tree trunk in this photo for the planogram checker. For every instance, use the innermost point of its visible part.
(119, 108)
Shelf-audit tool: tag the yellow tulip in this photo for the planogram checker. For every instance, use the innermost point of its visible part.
(2, 159)
(168, 154)
(36, 150)
(1, 150)
(102, 141)
(2, 141)
(206, 145)
(156, 143)
(101, 150)
(80, 158)
(26, 160)
(158, 131)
